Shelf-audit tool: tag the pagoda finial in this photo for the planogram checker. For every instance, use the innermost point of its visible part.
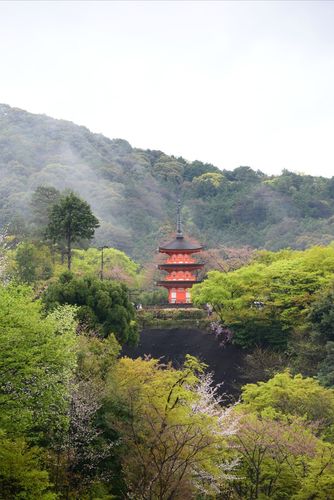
(179, 233)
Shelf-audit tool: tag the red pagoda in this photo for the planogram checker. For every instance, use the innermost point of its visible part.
(180, 266)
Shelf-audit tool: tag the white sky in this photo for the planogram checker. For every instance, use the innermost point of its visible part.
(231, 83)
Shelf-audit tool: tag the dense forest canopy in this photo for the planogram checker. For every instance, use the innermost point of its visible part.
(279, 307)
(133, 192)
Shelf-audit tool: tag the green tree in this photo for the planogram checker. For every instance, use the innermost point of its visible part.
(169, 169)
(285, 395)
(32, 263)
(117, 265)
(266, 300)
(326, 368)
(42, 201)
(103, 306)
(71, 220)
(82, 458)
(322, 314)
(172, 429)
(313, 351)
(37, 359)
(208, 184)
(21, 471)
(278, 457)
(319, 481)
(282, 441)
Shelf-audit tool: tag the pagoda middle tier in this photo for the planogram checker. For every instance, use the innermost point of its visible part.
(179, 266)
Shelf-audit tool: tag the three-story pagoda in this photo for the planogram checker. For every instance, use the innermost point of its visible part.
(180, 266)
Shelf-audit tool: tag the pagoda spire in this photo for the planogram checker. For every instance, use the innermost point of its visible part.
(179, 233)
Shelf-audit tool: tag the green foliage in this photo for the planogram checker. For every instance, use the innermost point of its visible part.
(172, 429)
(32, 263)
(133, 192)
(285, 395)
(319, 482)
(42, 201)
(72, 411)
(263, 301)
(103, 306)
(208, 184)
(96, 356)
(37, 360)
(307, 353)
(81, 461)
(326, 368)
(159, 296)
(95, 425)
(197, 168)
(117, 265)
(284, 424)
(262, 364)
(322, 314)
(169, 169)
(71, 220)
(314, 354)
(21, 471)
(276, 457)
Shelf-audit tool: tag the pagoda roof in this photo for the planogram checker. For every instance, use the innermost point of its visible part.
(180, 265)
(180, 243)
(178, 283)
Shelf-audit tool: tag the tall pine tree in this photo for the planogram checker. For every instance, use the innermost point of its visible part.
(71, 219)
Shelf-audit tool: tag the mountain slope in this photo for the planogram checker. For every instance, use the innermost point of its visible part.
(134, 191)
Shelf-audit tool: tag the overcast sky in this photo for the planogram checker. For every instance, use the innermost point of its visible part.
(231, 83)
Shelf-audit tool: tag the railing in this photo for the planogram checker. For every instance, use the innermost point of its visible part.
(170, 306)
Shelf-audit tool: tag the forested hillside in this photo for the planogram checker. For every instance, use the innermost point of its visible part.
(133, 191)
(79, 420)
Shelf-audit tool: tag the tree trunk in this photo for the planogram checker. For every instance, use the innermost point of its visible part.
(53, 253)
(69, 252)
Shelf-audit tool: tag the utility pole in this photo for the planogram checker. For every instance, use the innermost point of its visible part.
(102, 261)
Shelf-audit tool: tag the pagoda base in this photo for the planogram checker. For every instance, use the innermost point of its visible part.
(172, 306)
(179, 296)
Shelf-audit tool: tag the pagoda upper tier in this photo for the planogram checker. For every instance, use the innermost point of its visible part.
(180, 266)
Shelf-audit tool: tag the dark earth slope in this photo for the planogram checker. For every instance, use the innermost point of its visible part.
(172, 345)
